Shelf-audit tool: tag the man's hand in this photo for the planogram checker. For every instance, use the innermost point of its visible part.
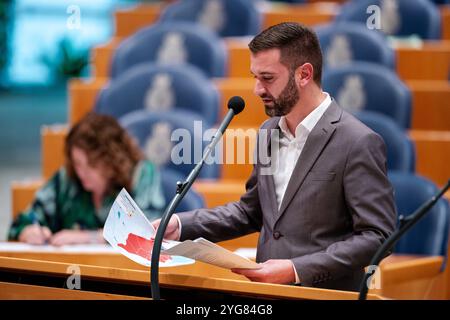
(172, 230)
(65, 237)
(271, 271)
(35, 234)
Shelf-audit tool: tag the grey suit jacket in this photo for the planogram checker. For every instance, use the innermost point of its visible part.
(337, 209)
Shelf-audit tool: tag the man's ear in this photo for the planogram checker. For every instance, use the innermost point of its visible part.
(304, 74)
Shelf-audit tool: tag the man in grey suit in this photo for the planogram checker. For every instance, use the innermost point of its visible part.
(328, 206)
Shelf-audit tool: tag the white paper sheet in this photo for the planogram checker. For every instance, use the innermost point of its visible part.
(129, 232)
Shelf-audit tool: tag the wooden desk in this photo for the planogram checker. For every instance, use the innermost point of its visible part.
(114, 276)
(402, 277)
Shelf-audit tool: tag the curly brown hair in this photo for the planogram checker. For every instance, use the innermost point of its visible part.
(107, 146)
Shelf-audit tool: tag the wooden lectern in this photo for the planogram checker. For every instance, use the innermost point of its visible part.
(44, 275)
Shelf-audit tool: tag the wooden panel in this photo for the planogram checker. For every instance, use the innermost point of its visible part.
(239, 144)
(53, 140)
(430, 104)
(253, 115)
(217, 193)
(22, 193)
(14, 291)
(309, 14)
(433, 154)
(238, 58)
(445, 14)
(418, 278)
(128, 21)
(82, 95)
(102, 57)
(430, 62)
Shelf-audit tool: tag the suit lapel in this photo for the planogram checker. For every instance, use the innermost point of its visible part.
(317, 140)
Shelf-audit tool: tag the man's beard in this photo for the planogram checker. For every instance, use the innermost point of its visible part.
(285, 102)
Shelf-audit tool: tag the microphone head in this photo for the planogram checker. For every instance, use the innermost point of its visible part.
(237, 104)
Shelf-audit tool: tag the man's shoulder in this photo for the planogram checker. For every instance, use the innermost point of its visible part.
(351, 127)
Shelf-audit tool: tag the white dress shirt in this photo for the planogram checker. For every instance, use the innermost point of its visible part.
(290, 148)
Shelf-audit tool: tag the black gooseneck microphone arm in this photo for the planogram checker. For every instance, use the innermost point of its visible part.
(236, 105)
(406, 224)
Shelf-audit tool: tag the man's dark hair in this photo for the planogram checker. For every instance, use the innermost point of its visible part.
(297, 43)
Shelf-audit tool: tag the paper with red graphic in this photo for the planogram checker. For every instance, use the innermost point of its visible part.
(128, 231)
(141, 247)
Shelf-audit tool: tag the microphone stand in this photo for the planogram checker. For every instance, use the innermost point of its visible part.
(405, 224)
(182, 189)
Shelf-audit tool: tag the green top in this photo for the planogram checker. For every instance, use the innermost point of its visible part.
(63, 204)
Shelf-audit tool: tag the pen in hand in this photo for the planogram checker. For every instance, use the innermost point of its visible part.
(44, 234)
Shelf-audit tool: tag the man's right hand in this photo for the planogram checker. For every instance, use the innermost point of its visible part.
(35, 234)
(172, 230)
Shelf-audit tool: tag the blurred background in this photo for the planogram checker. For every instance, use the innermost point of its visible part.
(387, 61)
(41, 47)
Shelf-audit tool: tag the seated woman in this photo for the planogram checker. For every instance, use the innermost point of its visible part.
(72, 207)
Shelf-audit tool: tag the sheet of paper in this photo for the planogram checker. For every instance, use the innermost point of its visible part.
(129, 232)
(79, 248)
(211, 253)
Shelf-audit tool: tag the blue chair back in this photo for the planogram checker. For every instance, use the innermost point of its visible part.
(347, 42)
(397, 17)
(192, 200)
(172, 43)
(228, 18)
(157, 87)
(400, 149)
(430, 235)
(171, 140)
(362, 86)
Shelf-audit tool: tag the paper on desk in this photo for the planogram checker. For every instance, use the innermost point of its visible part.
(129, 232)
(208, 252)
(78, 248)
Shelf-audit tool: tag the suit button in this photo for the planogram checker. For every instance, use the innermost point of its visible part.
(277, 235)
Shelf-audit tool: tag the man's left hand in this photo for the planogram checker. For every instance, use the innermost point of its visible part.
(271, 271)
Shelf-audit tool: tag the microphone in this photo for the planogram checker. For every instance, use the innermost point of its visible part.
(405, 225)
(235, 106)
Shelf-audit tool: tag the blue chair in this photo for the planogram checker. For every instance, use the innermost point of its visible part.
(348, 42)
(192, 200)
(400, 149)
(289, 1)
(430, 235)
(171, 140)
(419, 17)
(160, 87)
(172, 43)
(228, 18)
(365, 86)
